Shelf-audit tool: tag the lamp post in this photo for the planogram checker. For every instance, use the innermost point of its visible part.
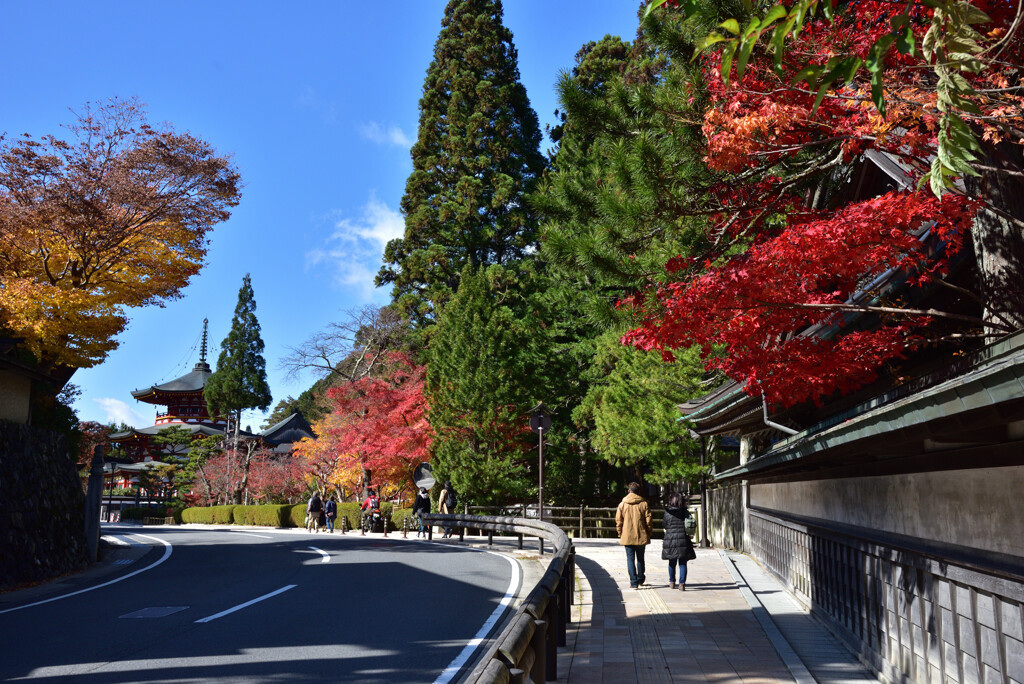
(540, 420)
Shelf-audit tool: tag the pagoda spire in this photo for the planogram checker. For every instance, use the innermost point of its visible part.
(202, 365)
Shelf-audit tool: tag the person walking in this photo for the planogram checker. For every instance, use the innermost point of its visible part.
(676, 547)
(331, 512)
(419, 507)
(313, 510)
(633, 525)
(446, 504)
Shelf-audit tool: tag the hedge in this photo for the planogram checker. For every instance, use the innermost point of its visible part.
(282, 515)
(214, 515)
(267, 515)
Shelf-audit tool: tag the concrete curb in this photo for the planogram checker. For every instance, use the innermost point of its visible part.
(789, 657)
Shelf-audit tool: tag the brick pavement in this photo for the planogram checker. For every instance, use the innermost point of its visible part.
(718, 630)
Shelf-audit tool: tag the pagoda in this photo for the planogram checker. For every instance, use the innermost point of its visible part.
(185, 407)
(183, 396)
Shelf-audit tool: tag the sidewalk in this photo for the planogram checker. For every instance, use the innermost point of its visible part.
(734, 623)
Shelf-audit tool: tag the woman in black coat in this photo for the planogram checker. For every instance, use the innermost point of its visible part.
(676, 547)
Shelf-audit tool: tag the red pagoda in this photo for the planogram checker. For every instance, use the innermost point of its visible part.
(186, 408)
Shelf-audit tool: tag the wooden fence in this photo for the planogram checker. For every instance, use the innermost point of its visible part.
(578, 522)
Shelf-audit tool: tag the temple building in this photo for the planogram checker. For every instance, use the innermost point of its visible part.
(185, 407)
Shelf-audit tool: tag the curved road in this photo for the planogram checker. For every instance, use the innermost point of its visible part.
(250, 605)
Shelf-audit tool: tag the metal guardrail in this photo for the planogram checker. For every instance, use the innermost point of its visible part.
(527, 649)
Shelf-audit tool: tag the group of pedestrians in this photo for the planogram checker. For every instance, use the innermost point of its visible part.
(634, 526)
(320, 514)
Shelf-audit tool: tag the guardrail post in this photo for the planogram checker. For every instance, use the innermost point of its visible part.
(490, 537)
(551, 638)
(540, 651)
(570, 570)
(563, 607)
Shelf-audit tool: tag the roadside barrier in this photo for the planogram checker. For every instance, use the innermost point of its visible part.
(527, 649)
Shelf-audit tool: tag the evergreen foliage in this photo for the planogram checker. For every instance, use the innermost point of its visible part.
(476, 156)
(632, 403)
(485, 370)
(240, 381)
(629, 158)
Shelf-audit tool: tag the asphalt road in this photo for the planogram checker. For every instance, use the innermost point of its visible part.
(252, 605)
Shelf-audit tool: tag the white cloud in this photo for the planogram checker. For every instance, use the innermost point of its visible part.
(117, 411)
(385, 135)
(354, 249)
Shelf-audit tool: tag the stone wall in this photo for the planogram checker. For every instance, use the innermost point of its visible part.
(42, 532)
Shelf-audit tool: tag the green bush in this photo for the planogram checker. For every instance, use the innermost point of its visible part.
(297, 515)
(212, 515)
(267, 515)
(350, 511)
(140, 512)
(399, 515)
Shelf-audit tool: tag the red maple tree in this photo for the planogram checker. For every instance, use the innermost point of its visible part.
(777, 303)
(378, 423)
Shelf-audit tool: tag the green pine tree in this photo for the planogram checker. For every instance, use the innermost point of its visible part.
(477, 154)
(240, 381)
(486, 369)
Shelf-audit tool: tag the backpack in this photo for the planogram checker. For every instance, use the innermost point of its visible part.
(451, 500)
(690, 524)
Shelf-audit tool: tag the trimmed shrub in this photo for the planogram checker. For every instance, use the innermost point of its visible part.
(297, 515)
(267, 515)
(399, 515)
(213, 515)
(140, 512)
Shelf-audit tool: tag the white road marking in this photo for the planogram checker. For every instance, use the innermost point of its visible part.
(242, 657)
(240, 606)
(510, 593)
(167, 554)
(253, 534)
(326, 556)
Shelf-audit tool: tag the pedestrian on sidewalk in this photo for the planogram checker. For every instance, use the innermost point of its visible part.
(446, 504)
(420, 507)
(633, 524)
(676, 547)
(313, 510)
(331, 511)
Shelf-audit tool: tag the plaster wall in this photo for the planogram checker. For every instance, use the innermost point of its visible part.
(15, 391)
(982, 508)
(727, 516)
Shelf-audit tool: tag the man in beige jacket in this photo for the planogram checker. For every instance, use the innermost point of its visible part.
(633, 524)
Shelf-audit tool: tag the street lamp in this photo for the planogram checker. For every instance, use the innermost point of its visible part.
(540, 420)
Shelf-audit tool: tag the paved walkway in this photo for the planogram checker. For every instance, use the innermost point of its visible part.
(734, 623)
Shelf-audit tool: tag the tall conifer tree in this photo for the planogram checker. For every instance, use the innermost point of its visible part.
(240, 381)
(477, 154)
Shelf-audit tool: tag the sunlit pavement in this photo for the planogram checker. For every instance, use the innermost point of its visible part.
(734, 623)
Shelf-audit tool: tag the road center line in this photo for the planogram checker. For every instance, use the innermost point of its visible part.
(326, 556)
(240, 606)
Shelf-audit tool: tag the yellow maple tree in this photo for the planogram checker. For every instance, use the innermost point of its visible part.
(114, 218)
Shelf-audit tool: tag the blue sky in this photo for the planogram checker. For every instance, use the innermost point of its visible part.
(318, 104)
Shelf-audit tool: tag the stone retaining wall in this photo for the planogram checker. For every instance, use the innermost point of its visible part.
(42, 532)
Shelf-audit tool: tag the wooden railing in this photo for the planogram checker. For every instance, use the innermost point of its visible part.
(527, 649)
(579, 522)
